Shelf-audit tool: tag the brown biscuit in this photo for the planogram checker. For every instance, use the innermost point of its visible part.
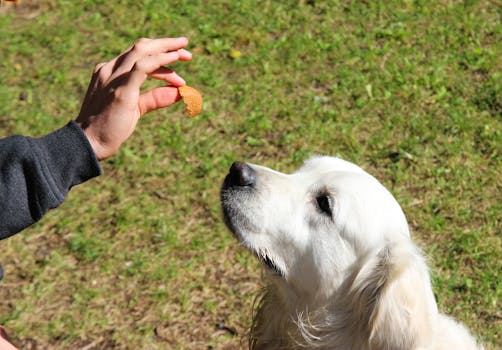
(192, 99)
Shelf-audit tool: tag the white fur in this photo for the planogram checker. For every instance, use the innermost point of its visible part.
(350, 278)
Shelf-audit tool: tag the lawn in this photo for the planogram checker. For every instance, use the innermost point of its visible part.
(140, 258)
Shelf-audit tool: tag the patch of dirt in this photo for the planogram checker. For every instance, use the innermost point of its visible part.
(27, 9)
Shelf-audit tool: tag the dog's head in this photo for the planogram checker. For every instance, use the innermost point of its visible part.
(308, 227)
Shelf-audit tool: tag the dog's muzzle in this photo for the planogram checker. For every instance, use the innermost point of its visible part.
(240, 185)
(236, 190)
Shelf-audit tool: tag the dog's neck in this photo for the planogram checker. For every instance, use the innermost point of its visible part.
(287, 320)
(284, 320)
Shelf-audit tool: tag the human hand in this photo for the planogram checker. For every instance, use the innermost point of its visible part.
(113, 103)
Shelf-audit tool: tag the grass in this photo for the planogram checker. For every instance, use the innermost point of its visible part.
(140, 258)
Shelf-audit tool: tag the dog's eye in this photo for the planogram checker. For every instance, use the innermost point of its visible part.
(324, 203)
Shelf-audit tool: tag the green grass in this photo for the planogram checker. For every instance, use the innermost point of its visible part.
(140, 258)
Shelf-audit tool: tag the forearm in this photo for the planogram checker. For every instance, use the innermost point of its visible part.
(36, 174)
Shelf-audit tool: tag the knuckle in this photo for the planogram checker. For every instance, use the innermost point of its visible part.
(139, 66)
(140, 44)
(102, 74)
(97, 67)
(118, 95)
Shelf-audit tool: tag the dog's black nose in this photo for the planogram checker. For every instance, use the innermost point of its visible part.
(241, 174)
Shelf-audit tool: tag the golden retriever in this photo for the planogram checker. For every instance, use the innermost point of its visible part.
(344, 273)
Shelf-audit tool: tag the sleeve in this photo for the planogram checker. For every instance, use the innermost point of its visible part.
(36, 174)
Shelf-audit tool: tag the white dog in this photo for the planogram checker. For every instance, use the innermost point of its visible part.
(344, 272)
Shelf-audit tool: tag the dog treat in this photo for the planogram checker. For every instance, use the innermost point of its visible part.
(192, 99)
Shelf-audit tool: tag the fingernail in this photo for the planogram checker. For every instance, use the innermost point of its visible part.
(184, 40)
(185, 53)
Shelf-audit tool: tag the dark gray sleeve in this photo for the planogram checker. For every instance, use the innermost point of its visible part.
(37, 173)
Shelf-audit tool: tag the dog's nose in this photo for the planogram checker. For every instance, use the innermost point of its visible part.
(241, 174)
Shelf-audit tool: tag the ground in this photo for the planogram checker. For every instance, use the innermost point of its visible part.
(140, 258)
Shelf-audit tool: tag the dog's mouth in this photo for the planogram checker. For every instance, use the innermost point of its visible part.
(269, 263)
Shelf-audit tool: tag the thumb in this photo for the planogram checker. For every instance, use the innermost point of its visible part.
(158, 98)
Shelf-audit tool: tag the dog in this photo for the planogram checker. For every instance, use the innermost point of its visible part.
(343, 270)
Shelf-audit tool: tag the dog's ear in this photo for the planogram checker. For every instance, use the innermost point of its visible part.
(394, 297)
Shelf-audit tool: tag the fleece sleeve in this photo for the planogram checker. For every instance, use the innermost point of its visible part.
(36, 174)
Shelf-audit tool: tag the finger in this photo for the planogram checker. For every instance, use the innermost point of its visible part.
(185, 55)
(158, 98)
(149, 65)
(152, 46)
(111, 66)
(99, 66)
(167, 75)
(97, 74)
(146, 47)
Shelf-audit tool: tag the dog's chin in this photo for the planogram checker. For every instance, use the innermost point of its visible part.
(240, 229)
(242, 226)
(236, 222)
(265, 258)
